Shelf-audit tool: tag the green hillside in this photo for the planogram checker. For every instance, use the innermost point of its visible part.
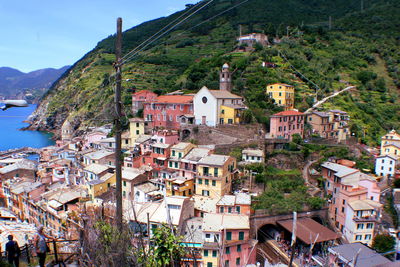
(361, 48)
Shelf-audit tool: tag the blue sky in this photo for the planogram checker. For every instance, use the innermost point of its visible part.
(50, 33)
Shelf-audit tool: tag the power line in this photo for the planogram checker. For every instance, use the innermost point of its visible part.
(167, 31)
(148, 39)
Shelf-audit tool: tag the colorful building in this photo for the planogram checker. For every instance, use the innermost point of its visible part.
(136, 128)
(283, 94)
(165, 111)
(214, 175)
(347, 185)
(179, 186)
(226, 240)
(390, 143)
(321, 124)
(138, 98)
(286, 123)
(213, 107)
(100, 186)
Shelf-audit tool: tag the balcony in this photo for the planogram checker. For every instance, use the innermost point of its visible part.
(207, 175)
(369, 218)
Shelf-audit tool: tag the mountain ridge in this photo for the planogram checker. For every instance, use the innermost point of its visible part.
(188, 58)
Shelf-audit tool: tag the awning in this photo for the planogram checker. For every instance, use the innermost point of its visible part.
(308, 229)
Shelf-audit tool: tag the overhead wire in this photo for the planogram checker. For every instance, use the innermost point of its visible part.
(167, 31)
(148, 39)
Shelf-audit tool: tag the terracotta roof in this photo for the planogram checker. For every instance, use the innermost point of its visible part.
(173, 99)
(288, 113)
(144, 92)
(308, 229)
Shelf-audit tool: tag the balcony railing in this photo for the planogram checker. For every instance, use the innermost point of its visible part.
(369, 218)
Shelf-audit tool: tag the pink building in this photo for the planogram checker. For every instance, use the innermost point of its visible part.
(138, 98)
(166, 110)
(92, 139)
(286, 123)
(346, 185)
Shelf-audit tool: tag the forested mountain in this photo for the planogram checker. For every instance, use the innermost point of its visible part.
(359, 47)
(14, 83)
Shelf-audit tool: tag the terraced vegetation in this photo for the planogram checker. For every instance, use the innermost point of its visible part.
(314, 58)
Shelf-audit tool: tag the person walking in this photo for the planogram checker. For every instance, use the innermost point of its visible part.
(40, 245)
(12, 251)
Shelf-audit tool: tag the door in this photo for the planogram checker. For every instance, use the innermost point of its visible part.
(203, 120)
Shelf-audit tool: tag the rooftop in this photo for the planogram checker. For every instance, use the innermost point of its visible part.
(196, 154)
(253, 152)
(181, 146)
(224, 94)
(216, 222)
(366, 256)
(365, 204)
(288, 113)
(98, 154)
(96, 168)
(237, 199)
(147, 187)
(214, 160)
(340, 170)
(23, 164)
(174, 99)
(130, 173)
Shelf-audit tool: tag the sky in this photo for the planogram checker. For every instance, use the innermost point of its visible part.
(36, 34)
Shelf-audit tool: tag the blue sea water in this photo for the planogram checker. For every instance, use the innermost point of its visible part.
(11, 121)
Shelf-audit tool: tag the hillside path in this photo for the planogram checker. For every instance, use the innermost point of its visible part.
(328, 97)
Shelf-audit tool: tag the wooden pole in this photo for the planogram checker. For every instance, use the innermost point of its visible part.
(117, 124)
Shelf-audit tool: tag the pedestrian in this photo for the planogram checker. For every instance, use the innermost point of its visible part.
(41, 247)
(12, 251)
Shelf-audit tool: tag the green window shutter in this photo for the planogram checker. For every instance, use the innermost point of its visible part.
(227, 251)
(239, 248)
(241, 235)
(200, 181)
(214, 253)
(228, 235)
(214, 182)
(205, 253)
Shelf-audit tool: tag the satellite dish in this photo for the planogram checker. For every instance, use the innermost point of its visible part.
(13, 103)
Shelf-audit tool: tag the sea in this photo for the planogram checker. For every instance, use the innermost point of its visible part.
(11, 121)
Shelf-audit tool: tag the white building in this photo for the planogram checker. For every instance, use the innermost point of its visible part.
(207, 105)
(385, 165)
(253, 155)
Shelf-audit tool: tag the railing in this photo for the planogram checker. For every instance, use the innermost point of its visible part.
(27, 252)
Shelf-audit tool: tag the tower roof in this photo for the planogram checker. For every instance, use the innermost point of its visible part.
(225, 66)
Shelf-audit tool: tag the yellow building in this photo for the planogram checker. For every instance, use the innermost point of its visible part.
(390, 144)
(231, 114)
(136, 128)
(126, 140)
(214, 175)
(179, 186)
(283, 94)
(98, 187)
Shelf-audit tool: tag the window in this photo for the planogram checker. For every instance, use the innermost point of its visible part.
(227, 251)
(360, 226)
(358, 237)
(214, 253)
(215, 172)
(173, 153)
(239, 248)
(137, 132)
(206, 181)
(170, 164)
(199, 181)
(368, 237)
(124, 183)
(214, 183)
(230, 210)
(176, 164)
(123, 193)
(342, 209)
(241, 235)
(221, 209)
(228, 235)
(205, 253)
(222, 111)
(238, 261)
(370, 225)
(208, 235)
(209, 264)
(205, 193)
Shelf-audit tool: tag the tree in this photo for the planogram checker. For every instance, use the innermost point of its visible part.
(165, 249)
(383, 243)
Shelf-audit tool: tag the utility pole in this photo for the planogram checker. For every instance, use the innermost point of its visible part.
(294, 229)
(117, 123)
